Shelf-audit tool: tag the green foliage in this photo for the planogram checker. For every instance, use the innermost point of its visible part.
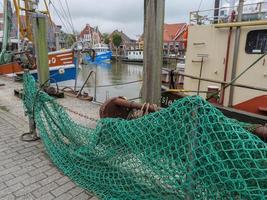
(70, 40)
(106, 38)
(116, 40)
(106, 41)
(187, 151)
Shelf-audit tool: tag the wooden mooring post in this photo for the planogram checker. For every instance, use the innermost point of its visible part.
(41, 49)
(41, 53)
(153, 43)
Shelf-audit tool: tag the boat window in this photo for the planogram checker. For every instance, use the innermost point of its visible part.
(256, 42)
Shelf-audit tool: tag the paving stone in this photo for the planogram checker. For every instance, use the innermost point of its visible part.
(34, 179)
(65, 196)
(3, 162)
(9, 170)
(29, 149)
(51, 171)
(45, 189)
(8, 197)
(42, 163)
(64, 188)
(47, 196)
(63, 180)
(2, 186)
(10, 189)
(26, 171)
(51, 178)
(75, 191)
(23, 170)
(17, 180)
(27, 189)
(40, 170)
(31, 162)
(6, 177)
(28, 196)
(17, 162)
(3, 158)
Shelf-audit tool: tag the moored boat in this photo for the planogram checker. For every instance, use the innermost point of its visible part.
(61, 66)
(226, 50)
(100, 53)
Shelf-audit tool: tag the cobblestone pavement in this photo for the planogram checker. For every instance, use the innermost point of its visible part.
(26, 171)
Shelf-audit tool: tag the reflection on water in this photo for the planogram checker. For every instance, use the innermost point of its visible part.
(110, 74)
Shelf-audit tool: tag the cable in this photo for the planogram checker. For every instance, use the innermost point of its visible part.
(201, 1)
(65, 15)
(59, 16)
(66, 1)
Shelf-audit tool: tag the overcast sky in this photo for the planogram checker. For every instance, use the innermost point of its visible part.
(125, 15)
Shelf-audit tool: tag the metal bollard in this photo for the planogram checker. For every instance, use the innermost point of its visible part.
(32, 134)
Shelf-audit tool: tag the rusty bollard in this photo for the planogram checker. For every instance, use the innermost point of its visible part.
(119, 107)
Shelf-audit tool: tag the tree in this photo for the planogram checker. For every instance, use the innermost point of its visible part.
(116, 40)
(70, 40)
(106, 38)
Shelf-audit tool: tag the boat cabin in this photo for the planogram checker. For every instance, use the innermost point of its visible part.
(135, 55)
(220, 49)
(99, 48)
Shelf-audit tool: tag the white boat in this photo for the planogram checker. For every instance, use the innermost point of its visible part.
(135, 55)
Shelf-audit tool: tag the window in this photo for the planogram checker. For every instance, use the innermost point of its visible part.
(256, 42)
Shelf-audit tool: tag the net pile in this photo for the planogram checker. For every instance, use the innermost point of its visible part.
(187, 151)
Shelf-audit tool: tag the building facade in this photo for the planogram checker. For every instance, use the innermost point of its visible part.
(91, 35)
(126, 44)
(174, 39)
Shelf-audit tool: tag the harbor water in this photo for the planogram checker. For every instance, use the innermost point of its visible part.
(110, 80)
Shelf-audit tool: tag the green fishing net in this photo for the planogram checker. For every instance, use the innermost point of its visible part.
(187, 151)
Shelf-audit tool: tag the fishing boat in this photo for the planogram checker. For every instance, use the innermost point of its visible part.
(225, 59)
(61, 63)
(100, 53)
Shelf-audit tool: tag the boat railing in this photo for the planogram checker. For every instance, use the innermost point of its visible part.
(251, 12)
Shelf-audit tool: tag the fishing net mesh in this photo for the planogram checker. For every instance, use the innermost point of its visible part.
(187, 151)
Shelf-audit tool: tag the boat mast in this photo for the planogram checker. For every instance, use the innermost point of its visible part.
(7, 25)
(4, 58)
(17, 8)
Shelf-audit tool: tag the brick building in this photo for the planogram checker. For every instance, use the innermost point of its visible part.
(126, 44)
(90, 34)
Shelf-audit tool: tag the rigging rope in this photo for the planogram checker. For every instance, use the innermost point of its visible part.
(60, 18)
(66, 16)
(71, 21)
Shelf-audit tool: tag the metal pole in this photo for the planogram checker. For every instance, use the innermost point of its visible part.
(216, 11)
(153, 43)
(236, 50)
(76, 62)
(32, 134)
(200, 75)
(95, 88)
(40, 43)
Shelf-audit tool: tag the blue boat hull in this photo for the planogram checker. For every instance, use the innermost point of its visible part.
(69, 74)
(100, 57)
